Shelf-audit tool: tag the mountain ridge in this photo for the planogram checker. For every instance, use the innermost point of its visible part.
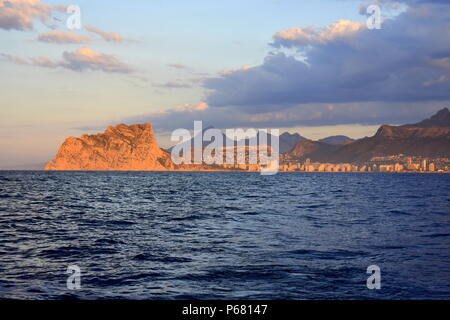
(427, 138)
(337, 140)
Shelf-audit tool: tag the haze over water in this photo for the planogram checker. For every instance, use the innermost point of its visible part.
(176, 235)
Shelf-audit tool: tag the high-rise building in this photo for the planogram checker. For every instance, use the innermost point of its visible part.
(424, 165)
(398, 167)
(409, 162)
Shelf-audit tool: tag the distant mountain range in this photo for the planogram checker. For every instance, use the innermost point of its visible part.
(287, 141)
(337, 140)
(190, 143)
(428, 138)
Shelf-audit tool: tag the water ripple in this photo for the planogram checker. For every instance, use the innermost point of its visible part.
(174, 235)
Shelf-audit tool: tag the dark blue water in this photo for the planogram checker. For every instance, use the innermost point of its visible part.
(198, 235)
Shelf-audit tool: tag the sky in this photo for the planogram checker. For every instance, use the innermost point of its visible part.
(312, 67)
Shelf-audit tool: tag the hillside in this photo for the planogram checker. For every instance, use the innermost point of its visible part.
(428, 138)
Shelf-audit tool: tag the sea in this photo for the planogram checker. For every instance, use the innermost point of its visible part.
(224, 235)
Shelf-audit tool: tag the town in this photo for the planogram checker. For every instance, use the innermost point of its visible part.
(397, 163)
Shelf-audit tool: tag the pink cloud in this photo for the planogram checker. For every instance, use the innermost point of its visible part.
(63, 37)
(108, 36)
(82, 59)
(304, 36)
(19, 14)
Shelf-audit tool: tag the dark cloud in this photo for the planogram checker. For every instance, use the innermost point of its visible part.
(368, 113)
(184, 117)
(364, 72)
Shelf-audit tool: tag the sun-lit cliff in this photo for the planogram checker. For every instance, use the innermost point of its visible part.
(120, 147)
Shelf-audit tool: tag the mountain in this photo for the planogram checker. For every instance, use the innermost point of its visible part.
(428, 138)
(312, 149)
(120, 147)
(337, 140)
(190, 143)
(288, 141)
(440, 119)
(391, 140)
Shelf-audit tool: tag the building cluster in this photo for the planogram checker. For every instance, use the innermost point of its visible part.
(324, 167)
(406, 164)
(400, 163)
(250, 159)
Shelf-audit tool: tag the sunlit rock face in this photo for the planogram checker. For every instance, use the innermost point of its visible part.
(121, 148)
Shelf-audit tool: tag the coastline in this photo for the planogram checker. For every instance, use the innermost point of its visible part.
(208, 170)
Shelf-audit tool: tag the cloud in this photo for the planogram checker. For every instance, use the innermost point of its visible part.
(108, 36)
(19, 14)
(386, 6)
(82, 59)
(36, 61)
(88, 59)
(44, 62)
(324, 114)
(61, 37)
(182, 116)
(202, 106)
(14, 59)
(441, 79)
(304, 36)
(230, 71)
(192, 108)
(179, 66)
(308, 115)
(172, 85)
(89, 128)
(347, 64)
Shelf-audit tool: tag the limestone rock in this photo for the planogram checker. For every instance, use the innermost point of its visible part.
(120, 148)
